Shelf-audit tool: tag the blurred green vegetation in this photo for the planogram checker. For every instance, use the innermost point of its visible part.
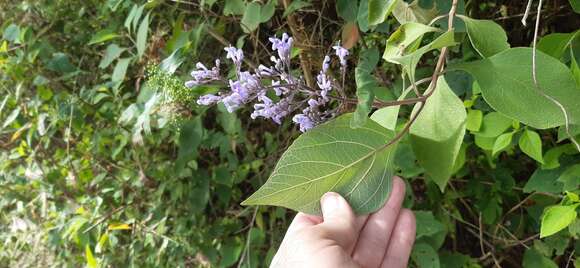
(106, 160)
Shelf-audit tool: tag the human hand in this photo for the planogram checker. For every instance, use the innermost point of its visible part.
(341, 239)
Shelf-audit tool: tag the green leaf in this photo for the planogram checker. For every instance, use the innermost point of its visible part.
(506, 78)
(410, 61)
(502, 142)
(234, 7)
(102, 36)
(545, 181)
(534, 259)
(425, 256)
(251, 18)
(190, 135)
(295, 6)
(366, 84)
(474, 120)
(556, 218)
(171, 63)
(386, 117)
(486, 36)
(555, 44)
(347, 9)
(575, 5)
(411, 12)
(120, 70)
(552, 156)
(531, 144)
(142, 36)
(571, 178)
(12, 33)
(379, 10)
(437, 133)
(60, 62)
(91, 261)
(362, 18)
(401, 41)
(112, 53)
(267, 11)
(332, 157)
(427, 225)
(493, 125)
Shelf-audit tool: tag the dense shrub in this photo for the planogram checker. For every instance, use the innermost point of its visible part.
(108, 161)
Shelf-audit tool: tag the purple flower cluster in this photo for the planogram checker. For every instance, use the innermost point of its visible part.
(274, 90)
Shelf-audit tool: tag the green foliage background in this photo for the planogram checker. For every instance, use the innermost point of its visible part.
(106, 161)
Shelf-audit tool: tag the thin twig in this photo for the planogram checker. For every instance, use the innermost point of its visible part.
(432, 86)
(247, 246)
(527, 13)
(300, 37)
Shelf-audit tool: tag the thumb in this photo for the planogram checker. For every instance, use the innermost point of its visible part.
(339, 221)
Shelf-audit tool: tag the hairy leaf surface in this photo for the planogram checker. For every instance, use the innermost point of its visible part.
(332, 157)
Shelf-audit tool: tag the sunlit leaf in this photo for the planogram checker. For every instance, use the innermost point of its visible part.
(332, 157)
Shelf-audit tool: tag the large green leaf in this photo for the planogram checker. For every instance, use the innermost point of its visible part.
(251, 18)
(507, 86)
(534, 259)
(403, 40)
(556, 218)
(486, 36)
(332, 157)
(555, 44)
(437, 134)
(379, 10)
(365, 85)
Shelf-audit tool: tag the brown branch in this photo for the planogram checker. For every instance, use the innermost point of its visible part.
(432, 85)
(299, 38)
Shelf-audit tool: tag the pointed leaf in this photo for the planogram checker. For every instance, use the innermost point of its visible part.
(142, 36)
(112, 53)
(486, 36)
(402, 40)
(556, 218)
(379, 10)
(502, 142)
(555, 44)
(251, 18)
(410, 61)
(411, 12)
(387, 117)
(437, 134)
(332, 157)
(531, 144)
(506, 78)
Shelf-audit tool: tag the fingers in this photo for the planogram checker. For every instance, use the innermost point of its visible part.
(303, 220)
(374, 237)
(340, 223)
(401, 241)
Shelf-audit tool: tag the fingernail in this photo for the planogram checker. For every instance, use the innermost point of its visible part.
(330, 202)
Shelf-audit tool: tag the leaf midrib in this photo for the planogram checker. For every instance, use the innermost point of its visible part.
(375, 151)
